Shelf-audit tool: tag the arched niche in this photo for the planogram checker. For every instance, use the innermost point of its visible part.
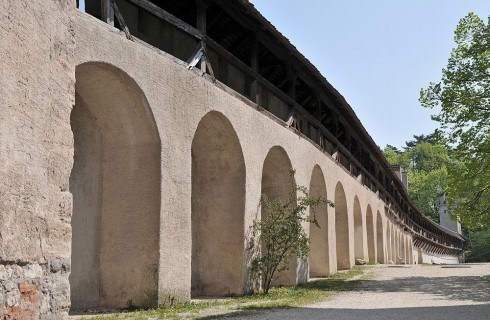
(319, 244)
(218, 208)
(370, 234)
(358, 230)
(379, 239)
(388, 241)
(116, 190)
(341, 229)
(278, 183)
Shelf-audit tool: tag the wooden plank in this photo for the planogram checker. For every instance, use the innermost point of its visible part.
(254, 62)
(164, 15)
(292, 78)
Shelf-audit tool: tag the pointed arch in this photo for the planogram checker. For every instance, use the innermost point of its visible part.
(218, 208)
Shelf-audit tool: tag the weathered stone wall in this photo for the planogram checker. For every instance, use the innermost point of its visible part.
(36, 96)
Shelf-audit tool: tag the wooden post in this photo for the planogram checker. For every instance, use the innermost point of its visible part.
(201, 26)
(318, 110)
(107, 12)
(292, 76)
(254, 63)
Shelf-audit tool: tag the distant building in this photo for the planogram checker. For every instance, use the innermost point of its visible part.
(445, 218)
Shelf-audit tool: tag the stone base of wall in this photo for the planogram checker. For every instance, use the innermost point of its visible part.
(434, 258)
(34, 291)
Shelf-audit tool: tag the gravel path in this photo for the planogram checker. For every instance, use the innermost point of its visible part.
(409, 292)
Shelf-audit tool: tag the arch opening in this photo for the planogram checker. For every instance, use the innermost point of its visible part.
(115, 182)
(342, 229)
(218, 209)
(388, 242)
(379, 239)
(278, 183)
(370, 234)
(393, 243)
(319, 245)
(358, 230)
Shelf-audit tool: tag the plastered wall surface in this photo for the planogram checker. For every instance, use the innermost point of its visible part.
(179, 99)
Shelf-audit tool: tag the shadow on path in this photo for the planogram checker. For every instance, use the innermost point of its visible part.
(474, 288)
(474, 312)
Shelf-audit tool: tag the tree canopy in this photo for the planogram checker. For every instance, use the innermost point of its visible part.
(463, 97)
(426, 161)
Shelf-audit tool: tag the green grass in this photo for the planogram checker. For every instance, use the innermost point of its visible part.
(285, 297)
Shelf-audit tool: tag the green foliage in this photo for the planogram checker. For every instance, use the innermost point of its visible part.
(479, 249)
(432, 138)
(463, 96)
(284, 297)
(426, 161)
(278, 237)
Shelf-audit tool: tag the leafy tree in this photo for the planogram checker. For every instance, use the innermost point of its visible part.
(463, 96)
(392, 155)
(430, 138)
(424, 189)
(426, 157)
(280, 235)
(426, 164)
(479, 246)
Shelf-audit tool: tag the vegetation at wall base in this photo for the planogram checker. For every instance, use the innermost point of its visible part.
(284, 297)
(279, 235)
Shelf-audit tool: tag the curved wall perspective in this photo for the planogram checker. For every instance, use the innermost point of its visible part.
(115, 184)
(128, 175)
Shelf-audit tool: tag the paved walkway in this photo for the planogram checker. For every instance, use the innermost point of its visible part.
(409, 292)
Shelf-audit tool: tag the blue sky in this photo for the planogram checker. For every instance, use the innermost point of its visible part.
(377, 53)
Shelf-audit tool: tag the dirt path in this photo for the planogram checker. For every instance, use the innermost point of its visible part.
(411, 292)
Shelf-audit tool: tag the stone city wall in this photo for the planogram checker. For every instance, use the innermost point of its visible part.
(37, 72)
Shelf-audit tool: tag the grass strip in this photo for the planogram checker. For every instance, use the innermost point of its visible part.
(284, 297)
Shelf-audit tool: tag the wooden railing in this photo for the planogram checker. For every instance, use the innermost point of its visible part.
(322, 137)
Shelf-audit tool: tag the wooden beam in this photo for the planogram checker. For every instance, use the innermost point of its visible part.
(121, 21)
(201, 26)
(107, 12)
(292, 77)
(164, 15)
(254, 63)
